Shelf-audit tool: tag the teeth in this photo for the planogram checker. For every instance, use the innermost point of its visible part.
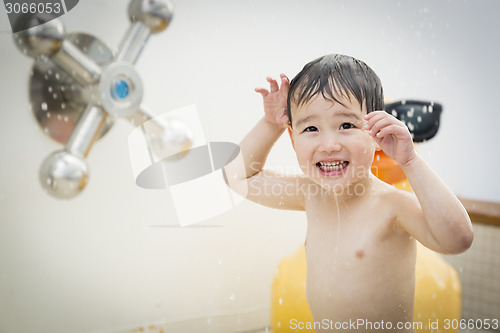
(333, 166)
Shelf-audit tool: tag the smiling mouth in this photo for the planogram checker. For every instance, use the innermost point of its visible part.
(332, 168)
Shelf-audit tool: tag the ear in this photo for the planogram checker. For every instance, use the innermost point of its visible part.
(289, 128)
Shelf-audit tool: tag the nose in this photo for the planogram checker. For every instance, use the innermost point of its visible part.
(330, 143)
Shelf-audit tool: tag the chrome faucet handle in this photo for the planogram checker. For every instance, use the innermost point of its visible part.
(100, 86)
(146, 17)
(64, 173)
(48, 41)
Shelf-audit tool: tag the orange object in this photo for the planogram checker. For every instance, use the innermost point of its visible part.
(386, 169)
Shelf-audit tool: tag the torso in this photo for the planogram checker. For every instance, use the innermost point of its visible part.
(360, 266)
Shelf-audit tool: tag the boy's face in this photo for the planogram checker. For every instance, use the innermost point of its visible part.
(332, 146)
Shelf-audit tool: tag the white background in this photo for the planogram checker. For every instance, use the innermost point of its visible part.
(94, 263)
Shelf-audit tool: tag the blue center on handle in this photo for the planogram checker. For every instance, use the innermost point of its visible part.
(120, 89)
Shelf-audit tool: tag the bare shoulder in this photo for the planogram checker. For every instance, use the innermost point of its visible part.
(398, 204)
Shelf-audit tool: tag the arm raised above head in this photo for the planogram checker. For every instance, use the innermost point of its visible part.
(434, 215)
(248, 178)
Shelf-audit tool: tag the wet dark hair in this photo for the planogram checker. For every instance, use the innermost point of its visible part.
(336, 75)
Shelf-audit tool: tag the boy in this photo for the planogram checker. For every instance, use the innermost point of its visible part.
(361, 232)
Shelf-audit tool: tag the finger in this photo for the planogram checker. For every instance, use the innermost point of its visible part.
(375, 119)
(264, 92)
(273, 84)
(379, 125)
(373, 113)
(395, 130)
(285, 85)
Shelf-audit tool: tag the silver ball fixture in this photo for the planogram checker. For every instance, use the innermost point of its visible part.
(44, 39)
(64, 175)
(156, 15)
(174, 140)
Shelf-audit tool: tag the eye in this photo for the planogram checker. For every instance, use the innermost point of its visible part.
(311, 129)
(347, 126)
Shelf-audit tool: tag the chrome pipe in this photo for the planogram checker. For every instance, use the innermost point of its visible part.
(86, 131)
(133, 42)
(76, 64)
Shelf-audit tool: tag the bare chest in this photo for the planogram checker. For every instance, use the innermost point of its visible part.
(354, 256)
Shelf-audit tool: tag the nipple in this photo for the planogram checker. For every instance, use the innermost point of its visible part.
(360, 254)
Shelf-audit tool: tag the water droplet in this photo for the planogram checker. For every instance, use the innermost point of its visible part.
(419, 119)
(48, 115)
(44, 106)
(63, 106)
(434, 296)
(50, 89)
(280, 301)
(232, 297)
(58, 76)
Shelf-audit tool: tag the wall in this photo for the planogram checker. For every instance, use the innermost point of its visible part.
(98, 263)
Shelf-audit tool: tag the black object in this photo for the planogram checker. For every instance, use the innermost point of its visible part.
(421, 117)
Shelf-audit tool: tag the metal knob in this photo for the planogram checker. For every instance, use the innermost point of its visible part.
(77, 80)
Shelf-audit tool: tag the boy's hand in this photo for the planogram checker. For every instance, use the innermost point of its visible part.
(275, 101)
(392, 136)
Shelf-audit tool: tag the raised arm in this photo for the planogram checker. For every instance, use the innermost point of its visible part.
(438, 220)
(266, 187)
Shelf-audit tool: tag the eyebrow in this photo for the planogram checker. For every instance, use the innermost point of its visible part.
(349, 115)
(304, 120)
(341, 113)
